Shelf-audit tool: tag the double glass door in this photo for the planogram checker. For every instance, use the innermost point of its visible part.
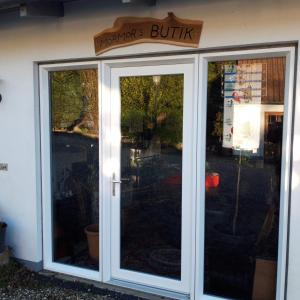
(170, 173)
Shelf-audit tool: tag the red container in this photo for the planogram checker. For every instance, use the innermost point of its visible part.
(212, 180)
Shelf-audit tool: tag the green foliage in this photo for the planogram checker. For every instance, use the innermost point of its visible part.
(66, 92)
(74, 96)
(215, 102)
(218, 125)
(147, 108)
(151, 108)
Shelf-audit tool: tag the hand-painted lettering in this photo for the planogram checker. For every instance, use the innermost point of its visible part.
(170, 30)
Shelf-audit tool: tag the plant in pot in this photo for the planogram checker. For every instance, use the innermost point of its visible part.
(232, 238)
(4, 252)
(92, 234)
(3, 227)
(92, 230)
(235, 234)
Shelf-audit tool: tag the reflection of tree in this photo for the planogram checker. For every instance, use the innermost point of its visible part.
(216, 101)
(155, 111)
(215, 94)
(89, 81)
(75, 101)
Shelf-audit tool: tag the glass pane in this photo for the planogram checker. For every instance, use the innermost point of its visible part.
(75, 167)
(151, 171)
(243, 174)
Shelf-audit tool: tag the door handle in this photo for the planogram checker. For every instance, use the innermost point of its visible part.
(114, 182)
(125, 179)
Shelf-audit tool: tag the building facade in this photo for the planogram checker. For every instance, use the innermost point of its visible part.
(163, 168)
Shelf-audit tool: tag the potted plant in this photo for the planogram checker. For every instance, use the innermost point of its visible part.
(92, 234)
(3, 227)
(235, 234)
(4, 251)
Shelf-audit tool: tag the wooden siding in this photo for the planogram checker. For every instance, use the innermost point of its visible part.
(273, 78)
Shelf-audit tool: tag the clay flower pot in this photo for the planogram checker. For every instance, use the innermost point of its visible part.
(92, 234)
(264, 286)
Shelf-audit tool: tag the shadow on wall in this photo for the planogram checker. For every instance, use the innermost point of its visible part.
(107, 8)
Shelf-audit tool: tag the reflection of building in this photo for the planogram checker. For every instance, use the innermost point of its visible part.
(273, 122)
(272, 99)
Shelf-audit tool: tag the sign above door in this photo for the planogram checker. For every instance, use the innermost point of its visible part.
(134, 30)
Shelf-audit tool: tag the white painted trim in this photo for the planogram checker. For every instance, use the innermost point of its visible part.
(200, 177)
(69, 66)
(112, 70)
(246, 54)
(49, 264)
(194, 183)
(45, 164)
(289, 53)
(72, 271)
(285, 174)
(101, 240)
(149, 289)
(38, 167)
(150, 61)
(105, 229)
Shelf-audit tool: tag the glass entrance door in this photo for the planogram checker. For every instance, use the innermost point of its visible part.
(151, 174)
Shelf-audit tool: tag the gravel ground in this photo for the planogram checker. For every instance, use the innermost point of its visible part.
(18, 283)
(47, 293)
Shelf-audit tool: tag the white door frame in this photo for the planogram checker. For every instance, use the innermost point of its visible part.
(45, 119)
(111, 71)
(289, 53)
(198, 115)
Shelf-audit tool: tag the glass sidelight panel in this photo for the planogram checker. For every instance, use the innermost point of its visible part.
(151, 174)
(75, 167)
(243, 176)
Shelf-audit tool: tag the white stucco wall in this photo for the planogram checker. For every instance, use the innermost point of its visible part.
(24, 41)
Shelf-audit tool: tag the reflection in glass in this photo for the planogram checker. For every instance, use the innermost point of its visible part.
(243, 173)
(75, 164)
(151, 171)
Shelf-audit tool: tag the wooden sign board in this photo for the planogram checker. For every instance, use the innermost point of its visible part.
(133, 30)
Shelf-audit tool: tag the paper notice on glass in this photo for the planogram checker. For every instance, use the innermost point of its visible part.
(246, 127)
(242, 86)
